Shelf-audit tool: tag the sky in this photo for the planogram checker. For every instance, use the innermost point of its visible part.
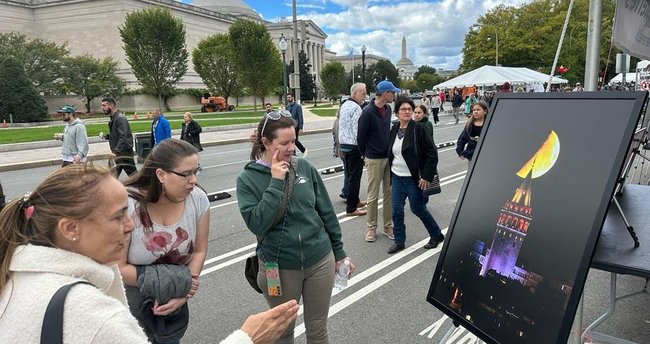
(434, 30)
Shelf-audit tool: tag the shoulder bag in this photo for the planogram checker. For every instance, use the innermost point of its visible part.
(52, 329)
(434, 185)
(252, 263)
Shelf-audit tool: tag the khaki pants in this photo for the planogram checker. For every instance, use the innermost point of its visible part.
(315, 285)
(379, 173)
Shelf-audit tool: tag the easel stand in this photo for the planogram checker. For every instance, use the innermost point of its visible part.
(451, 330)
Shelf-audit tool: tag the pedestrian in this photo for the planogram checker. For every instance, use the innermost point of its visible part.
(160, 129)
(73, 228)
(301, 245)
(191, 131)
(337, 154)
(268, 107)
(471, 133)
(413, 159)
(120, 138)
(469, 100)
(296, 114)
(436, 104)
(167, 249)
(420, 115)
(456, 102)
(350, 112)
(373, 140)
(74, 137)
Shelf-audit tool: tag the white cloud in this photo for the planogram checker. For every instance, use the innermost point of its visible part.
(435, 31)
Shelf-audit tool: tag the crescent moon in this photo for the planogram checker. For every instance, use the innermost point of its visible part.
(544, 159)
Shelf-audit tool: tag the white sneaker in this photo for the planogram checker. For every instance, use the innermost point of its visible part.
(304, 155)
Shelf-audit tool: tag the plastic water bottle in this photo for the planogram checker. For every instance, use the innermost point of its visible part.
(341, 278)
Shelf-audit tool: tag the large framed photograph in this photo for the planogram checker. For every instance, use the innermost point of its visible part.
(530, 211)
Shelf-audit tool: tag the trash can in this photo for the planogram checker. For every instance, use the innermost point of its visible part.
(142, 146)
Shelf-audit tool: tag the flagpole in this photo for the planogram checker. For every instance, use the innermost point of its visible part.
(353, 69)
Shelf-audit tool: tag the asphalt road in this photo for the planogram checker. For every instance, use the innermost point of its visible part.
(385, 301)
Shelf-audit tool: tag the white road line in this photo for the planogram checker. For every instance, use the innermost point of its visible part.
(231, 253)
(226, 164)
(224, 264)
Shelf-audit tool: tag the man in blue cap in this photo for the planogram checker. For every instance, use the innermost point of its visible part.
(74, 137)
(372, 139)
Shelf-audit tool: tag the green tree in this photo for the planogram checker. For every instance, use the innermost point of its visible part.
(42, 61)
(214, 61)
(382, 70)
(154, 44)
(306, 78)
(424, 70)
(256, 58)
(332, 78)
(18, 96)
(89, 78)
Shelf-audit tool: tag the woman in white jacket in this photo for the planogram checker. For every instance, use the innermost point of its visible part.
(72, 228)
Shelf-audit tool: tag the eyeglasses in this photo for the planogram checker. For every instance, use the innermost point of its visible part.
(188, 175)
(405, 109)
(274, 115)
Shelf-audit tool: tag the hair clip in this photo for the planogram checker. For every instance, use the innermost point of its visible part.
(28, 212)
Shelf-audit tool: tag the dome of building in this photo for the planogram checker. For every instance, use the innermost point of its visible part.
(232, 7)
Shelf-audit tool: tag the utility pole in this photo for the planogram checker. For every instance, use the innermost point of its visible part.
(295, 46)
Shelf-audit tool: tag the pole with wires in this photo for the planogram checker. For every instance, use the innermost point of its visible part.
(559, 45)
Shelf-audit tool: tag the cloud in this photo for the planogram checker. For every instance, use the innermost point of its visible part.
(435, 31)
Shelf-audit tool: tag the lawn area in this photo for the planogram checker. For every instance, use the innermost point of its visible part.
(16, 135)
(327, 112)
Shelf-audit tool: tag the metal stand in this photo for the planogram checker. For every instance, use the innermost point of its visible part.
(451, 330)
(629, 227)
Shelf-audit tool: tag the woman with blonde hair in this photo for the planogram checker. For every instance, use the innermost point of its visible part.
(191, 130)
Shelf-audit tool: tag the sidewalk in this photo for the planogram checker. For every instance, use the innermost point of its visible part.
(48, 153)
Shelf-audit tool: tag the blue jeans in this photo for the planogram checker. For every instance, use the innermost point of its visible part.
(403, 187)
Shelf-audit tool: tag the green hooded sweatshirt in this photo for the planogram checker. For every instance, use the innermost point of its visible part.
(310, 229)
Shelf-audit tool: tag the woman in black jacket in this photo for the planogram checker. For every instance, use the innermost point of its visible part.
(190, 131)
(413, 162)
(471, 133)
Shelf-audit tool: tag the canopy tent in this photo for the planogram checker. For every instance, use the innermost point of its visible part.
(493, 75)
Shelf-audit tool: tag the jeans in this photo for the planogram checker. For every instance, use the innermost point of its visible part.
(125, 163)
(298, 143)
(353, 171)
(402, 188)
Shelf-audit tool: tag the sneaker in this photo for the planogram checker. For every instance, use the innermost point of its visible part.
(304, 155)
(388, 231)
(371, 236)
(433, 243)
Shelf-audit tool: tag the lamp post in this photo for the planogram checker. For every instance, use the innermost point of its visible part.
(283, 49)
(315, 88)
(363, 63)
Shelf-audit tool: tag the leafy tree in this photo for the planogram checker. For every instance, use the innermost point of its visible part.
(332, 77)
(382, 70)
(306, 78)
(18, 96)
(214, 61)
(154, 43)
(424, 82)
(42, 61)
(424, 70)
(256, 58)
(90, 78)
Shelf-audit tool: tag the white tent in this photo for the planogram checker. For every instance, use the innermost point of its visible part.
(492, 75)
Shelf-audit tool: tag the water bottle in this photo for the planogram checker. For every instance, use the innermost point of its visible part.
(341, 278)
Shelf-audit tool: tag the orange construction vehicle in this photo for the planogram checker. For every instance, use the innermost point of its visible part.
(215, 104)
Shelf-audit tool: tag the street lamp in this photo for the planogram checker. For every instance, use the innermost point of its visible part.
(315, 88)
(283, 49)
(363, 62)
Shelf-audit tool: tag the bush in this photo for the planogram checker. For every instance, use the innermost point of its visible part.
(18, 96)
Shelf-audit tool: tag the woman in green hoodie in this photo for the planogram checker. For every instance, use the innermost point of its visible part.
(303, 247)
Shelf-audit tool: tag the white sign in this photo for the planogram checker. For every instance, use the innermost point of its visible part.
(632, 27)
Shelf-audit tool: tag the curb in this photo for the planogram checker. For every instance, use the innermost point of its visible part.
(95, 157)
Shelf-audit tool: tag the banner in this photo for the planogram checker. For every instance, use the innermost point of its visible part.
(632, 27)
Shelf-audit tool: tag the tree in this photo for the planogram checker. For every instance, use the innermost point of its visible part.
(90, 78)
(424, 70)
(154, 44)
(306, 78)
(214, 61)
(18, 96)
(256, 58)
(423, 82)
(42, 61)
(332, 77)
(382, 70)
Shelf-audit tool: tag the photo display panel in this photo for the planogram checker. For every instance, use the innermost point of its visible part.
(530, 211)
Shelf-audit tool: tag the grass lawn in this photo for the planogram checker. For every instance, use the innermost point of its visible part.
(16, 135)
(327, 112)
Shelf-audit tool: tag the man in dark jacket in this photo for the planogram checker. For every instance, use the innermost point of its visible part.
(120, 138)
(372, 140)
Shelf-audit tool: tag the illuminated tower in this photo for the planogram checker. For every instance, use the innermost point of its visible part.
(512, 226)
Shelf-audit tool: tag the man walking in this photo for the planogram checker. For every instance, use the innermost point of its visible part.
(74, 137)
(160, 129)
(372, 139)
(296, 114)
(349, 115)
(120, 138)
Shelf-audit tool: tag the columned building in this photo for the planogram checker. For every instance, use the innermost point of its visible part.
(91, 27)
(350, 61)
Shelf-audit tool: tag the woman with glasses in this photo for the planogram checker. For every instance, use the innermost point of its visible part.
(413, 160)
(169, 244)
(301, 248)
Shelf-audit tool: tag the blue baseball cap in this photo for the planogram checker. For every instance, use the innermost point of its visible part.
(386, 86)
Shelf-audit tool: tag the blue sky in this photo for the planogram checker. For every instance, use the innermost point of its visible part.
(434, 30)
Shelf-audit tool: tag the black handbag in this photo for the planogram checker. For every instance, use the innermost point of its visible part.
(52, 328)
(252, 267)
(434, 185)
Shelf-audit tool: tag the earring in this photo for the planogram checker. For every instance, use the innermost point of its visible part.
(74, 238)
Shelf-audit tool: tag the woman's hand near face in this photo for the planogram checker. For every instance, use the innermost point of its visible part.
(169, 307)
(279, 168)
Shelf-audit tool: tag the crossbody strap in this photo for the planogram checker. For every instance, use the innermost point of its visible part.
(289, 181)
(52, 329)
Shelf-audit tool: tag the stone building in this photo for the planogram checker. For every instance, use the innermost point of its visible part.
(91, 27)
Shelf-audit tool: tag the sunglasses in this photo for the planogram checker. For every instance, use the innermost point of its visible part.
(274, 115)
(189, 174)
